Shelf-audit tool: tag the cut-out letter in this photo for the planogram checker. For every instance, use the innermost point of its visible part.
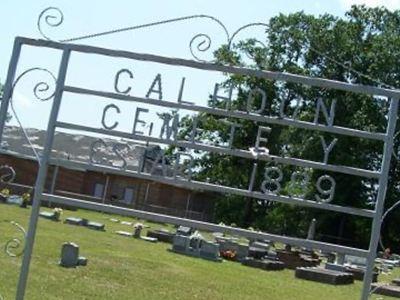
(167, 129)
(137, 120)
(180, 94)
(216, 97)
(327, 149)
(250, 100)
(156, 81)
(117, 78)
(329, 118)
(103, 119)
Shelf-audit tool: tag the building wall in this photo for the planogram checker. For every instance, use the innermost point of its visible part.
(147, 195)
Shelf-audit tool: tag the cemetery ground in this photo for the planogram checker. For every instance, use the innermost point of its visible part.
(126, 268)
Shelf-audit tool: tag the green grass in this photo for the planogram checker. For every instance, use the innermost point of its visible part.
(125, 268)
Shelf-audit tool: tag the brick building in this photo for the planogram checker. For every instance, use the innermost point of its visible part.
(83, 183)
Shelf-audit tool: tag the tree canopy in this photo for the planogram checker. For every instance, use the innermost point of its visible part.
(360, 48)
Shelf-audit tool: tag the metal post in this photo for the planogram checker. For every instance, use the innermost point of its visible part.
(106, 189)
(188, 204)
(41, 177)
(383, 180)
(8, 88)
(54, 181)
(146, 195)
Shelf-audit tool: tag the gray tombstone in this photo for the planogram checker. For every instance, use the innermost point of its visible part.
(356, 260)
(69, 255)
(260, 245)
(340, 259)
(209, 250)
(335, 267)
(183, 230)
(242, 251)
(73, 221)
(181, 243)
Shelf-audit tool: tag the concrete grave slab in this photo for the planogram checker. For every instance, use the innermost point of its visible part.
(324, 276)
(386, 290)
(161, 235)
(264, 264)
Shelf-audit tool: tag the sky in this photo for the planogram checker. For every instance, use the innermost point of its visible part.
(19, 18)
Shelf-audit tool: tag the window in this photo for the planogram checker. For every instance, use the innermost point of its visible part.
(98, 190)
(128, 195)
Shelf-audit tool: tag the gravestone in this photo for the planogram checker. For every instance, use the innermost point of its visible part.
(48, 215)
(258, 249)
(330, 257)
(15, 200)
(355, 260)
(335, 267)
(210, 251)
(163, 235)
(181, 243)
(227, 245)
(293, 259)
(149, 239)
(386, 290)
(126, 223)
(324, 276)
(264, 264)
(124, 233)
(242, 251)
(69, 255)
(95, 226)
(217, 234)
(340, 258)
(396, 281)
(358, 273)
(390, 262)
(129, 234)
(73, 221)
(260, 245)
(184, 230)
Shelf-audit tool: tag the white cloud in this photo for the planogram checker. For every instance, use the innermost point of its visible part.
(21, 100)
(390, 4)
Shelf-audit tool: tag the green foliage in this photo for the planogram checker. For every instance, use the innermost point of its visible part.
(1, 97)
(361, 48)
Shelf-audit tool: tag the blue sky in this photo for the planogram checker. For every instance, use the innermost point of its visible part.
(82, 17)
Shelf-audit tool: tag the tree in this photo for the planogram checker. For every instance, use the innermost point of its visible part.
(361, 48)
(1, 98)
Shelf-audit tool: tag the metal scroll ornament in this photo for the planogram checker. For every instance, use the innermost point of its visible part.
(7, 174)
(43, 91)
(201, 42)
(15, 246)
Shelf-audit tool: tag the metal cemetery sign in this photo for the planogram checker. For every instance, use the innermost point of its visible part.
(273, 178)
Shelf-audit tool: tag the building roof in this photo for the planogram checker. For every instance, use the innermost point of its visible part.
(73, 147)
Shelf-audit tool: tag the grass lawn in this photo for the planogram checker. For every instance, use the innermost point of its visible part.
(125, 268)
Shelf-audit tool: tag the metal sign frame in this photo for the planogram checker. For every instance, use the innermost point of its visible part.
(53, 123)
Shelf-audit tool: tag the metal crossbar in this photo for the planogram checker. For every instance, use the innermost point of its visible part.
(192, 184)
(53, 123)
